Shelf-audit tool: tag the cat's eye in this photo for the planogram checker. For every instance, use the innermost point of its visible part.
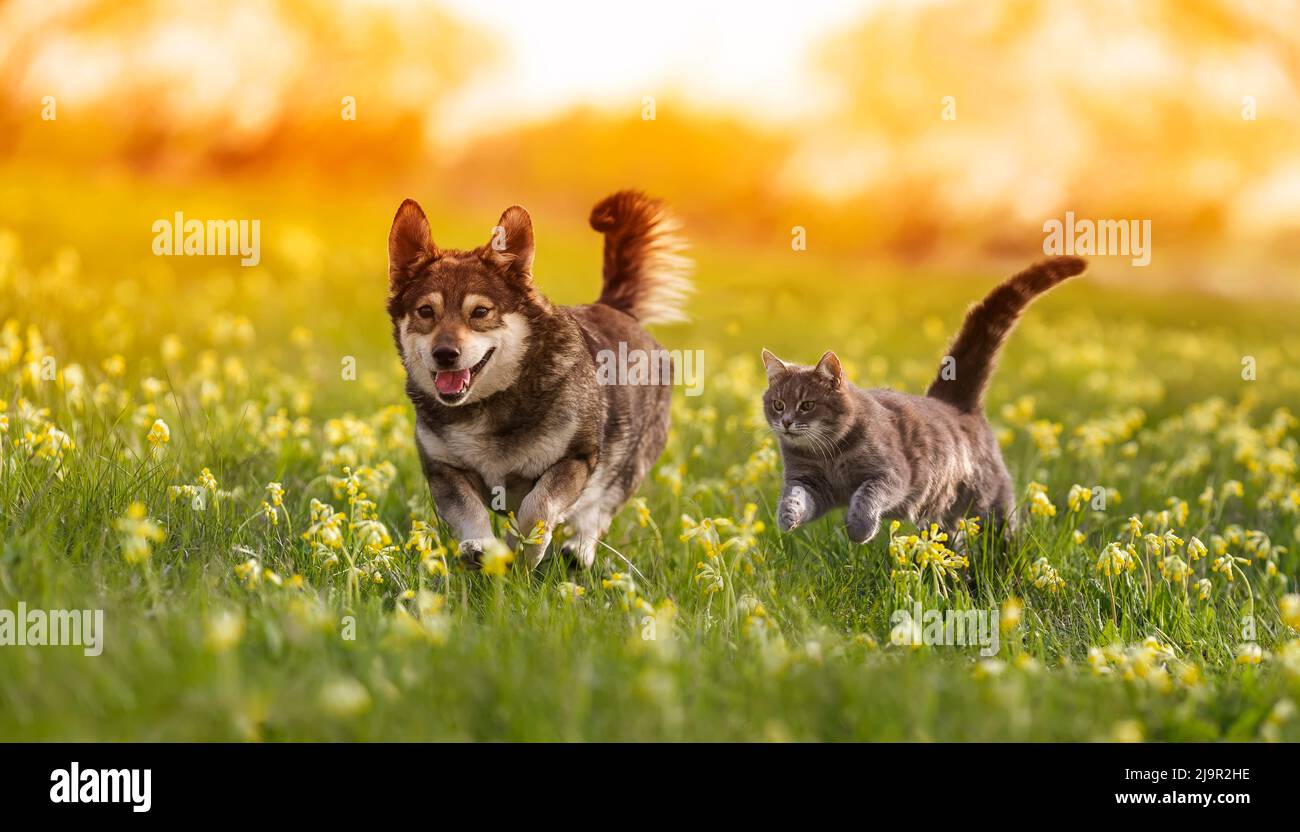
(778, 405)
(806, 406)
(425, 311)
(480, 312)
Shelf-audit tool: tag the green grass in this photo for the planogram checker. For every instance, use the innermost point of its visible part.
(796, 642)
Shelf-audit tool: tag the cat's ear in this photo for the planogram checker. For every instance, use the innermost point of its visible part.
(830, 369)
(774, 365)
(409, 242)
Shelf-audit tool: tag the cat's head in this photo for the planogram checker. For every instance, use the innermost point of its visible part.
(806, 406)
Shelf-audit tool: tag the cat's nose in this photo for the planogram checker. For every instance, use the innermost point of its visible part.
(786, 422)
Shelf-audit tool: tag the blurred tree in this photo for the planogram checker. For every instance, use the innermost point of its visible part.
(236, 84)
(1109, 108)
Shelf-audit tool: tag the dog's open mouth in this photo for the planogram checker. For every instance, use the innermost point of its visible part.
(454, 384)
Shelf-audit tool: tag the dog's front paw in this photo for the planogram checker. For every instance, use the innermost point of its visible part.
(534, 553)
(862, 526)
(581, 552)
(472, 549)
(537, 539)
(792, 509)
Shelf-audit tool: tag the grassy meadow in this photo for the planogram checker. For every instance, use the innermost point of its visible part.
(222, 460)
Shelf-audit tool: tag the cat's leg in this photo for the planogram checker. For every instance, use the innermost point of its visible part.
(872, 499)
(801, 502)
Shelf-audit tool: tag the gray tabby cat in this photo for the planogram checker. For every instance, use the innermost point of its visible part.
(884, 454)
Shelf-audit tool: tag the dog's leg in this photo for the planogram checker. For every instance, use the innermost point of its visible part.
(460, 505)
(588, 523)
(551, 498)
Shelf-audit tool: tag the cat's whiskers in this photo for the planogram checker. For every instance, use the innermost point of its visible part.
(824, 442)
(809, 437)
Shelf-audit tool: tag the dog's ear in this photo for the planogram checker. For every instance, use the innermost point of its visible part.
(512, 242)
(829, 368)
(408, 241)
(774, 365)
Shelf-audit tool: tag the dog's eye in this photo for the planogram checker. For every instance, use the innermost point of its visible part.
(778, 406)
(480, 312)
(806, 406)
(425, 311)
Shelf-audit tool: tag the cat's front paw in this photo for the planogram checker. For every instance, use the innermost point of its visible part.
(862, 526)
(792, 509)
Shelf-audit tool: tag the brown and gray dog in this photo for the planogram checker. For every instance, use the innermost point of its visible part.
(510, 413)
(885, 454)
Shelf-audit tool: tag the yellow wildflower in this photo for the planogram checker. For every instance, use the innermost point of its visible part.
(1174, 569)
(496, 558)
(1012, 610)
(1038, 501)
(642, 512)
(344, 697)
(570, 591)
(1128, 731)
(1045, 576)
(114, 366)
(1134, 526)
(138, 533)
(1116, 560)
(275, 494)
(223, 630)
(1250, 653)
(159, 433)
(1289, 606)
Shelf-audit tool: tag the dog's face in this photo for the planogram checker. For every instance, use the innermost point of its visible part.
(461, 318)
(805, 406)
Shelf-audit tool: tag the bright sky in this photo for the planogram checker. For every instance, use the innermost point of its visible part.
(754, 58)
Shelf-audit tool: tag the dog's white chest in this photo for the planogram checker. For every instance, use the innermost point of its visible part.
(470, 446)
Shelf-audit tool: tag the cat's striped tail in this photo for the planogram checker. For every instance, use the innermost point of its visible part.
(968, 366)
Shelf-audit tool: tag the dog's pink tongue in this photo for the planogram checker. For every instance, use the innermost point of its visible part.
(451, 381)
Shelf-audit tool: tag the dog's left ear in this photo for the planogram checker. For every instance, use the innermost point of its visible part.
(512, 241)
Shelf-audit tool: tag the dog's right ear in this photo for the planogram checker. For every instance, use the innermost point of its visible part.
(408, 241)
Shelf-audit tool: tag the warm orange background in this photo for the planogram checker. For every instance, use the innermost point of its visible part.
(821, 114)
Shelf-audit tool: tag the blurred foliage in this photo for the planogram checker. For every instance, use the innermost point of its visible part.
(1109, 109)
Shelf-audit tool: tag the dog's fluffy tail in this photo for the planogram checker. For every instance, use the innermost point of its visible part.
(646, 274)
(973, 354)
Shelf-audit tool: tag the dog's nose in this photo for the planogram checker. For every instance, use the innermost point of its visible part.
(446, 356)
